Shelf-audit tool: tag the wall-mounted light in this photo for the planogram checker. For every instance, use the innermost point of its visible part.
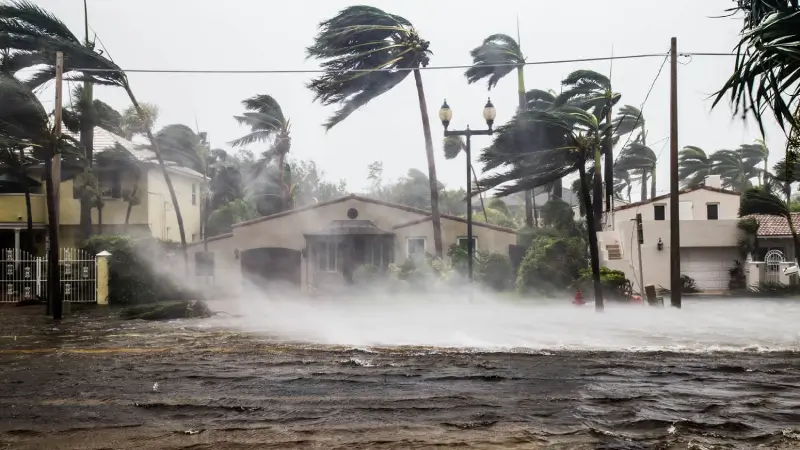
(236, 253)
(660, 245)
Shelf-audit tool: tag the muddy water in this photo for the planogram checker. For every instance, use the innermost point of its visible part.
(98, 383)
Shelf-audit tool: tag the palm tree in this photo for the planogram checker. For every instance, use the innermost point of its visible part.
(766, 67)
(785, 177)
(453, 146)
(693, 166)
(14, 157)
(642, 160)
(496, 57)
(592, 91)
(761, 201)
(622, 182)
(561, 141)
(34, 36)
(385, 48)
(757, 152)
(267, 123)
(734, 170)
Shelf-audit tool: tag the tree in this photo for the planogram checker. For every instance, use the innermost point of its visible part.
(557, 213)
(693, 166)
(388, 47)
(453, 146)
(757, 153)
(734, 170)
(267, 123)
(496, 57)
(765, 70)
(761, 201)
(592, 91)
(132, 123)
(561, 141)
(34, 36)
(17, 161)
(640, 159)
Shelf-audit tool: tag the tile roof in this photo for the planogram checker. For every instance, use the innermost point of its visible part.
(681, 192)
(775, 226)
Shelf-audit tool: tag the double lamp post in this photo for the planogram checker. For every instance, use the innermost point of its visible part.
(445, 115)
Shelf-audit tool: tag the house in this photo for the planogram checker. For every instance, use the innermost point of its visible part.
(319, 246)
(708, 231)
(152, 216)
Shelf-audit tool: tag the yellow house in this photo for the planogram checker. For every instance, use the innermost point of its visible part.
(152, 216)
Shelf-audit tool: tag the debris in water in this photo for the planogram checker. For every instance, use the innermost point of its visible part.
(672, 429)
(192, 432)
(155, 387)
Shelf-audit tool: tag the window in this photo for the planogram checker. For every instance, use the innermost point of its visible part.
(194, 194)
(326, 256)
(462, 243)
(712, 211)
(415, 246)
(110, 184)
(660, 212)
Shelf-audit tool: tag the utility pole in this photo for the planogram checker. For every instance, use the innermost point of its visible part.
(639, 242)
(674, 205)
(53, 268)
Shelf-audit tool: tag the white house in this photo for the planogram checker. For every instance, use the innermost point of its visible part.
(708, 232)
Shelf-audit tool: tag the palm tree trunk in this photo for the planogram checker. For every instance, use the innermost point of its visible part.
(426, 130)
(597, 195)
(535, 217)
(644, 185)
(100, 219)
(480, 194)
(28, 207)
(134, 192)
(523, 106)
(609, 163)
(167, 178)
(653, 182)
(594, 251)
(87, 141)
(53, 274)
(281, 183)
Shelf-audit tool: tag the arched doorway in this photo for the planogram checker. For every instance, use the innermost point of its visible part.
(271, 267)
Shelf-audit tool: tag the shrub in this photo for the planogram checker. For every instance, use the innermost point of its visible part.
(615, 285)
(133, 266)
(367, 273)
(551, 264)
(494, 270)
(738, 278)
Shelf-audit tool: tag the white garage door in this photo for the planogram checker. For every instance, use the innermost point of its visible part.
(708, 266)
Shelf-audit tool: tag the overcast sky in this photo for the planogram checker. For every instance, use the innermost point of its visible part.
(257, 34)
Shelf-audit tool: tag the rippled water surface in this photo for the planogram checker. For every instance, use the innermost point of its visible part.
(420, 373)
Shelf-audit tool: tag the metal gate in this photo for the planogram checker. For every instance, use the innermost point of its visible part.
(772, 266)
(23, 276)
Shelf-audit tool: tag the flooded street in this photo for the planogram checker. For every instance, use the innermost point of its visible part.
(94, 382)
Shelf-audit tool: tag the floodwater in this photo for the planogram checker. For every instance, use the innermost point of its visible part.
(422, 373)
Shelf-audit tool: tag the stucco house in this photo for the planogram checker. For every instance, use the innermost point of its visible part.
(152, 216)
(318, 246)
(708, 230)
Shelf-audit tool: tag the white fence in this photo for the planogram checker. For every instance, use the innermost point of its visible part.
(23, 276)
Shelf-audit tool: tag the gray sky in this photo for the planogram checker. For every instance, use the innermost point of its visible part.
(255, 34)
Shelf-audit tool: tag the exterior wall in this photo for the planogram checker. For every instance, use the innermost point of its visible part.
(728, 206)
(161, 215)
(486, 239)
(114, 209)
(12, 209)
(227, 265)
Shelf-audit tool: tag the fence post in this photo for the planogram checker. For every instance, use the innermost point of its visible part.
(102, 278)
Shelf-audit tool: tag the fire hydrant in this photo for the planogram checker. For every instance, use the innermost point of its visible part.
(578, 298)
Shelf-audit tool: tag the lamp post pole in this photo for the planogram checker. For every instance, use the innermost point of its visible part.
(489, 114)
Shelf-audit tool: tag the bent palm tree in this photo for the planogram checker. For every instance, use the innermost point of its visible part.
(734, 170)
(561, 141)
(757, 153)
(642, 160)
(267, 123)
(496, 57)
(693, 166)
(453, 145)
(385, 48)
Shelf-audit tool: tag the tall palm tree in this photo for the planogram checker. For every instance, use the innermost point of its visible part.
(496, 57)
(453, 146)
(267, 123)
(761, 201)
(757, 153)
(622, 182)
(785, 176)
(561, 141)
(34, 36)
(642, 160)
(590, 90)
(385, 48)
(693, 166)
(734, 170)
(765, 70)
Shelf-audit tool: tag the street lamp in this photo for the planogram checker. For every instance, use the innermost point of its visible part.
(489, 114)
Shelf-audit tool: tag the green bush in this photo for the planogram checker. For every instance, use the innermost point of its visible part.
(494, 270)
(615, 285)
(552, 263)
(133, 277)
(367, 273)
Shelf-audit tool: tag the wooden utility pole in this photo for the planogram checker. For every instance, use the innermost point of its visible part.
(676, 285)
(53, 269)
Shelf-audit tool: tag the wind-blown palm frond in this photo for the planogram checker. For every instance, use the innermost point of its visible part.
(363, 38)
(495, 58)
(180, 144)
(629, 119)
(453, 145)
(735, 171)
(693, 166)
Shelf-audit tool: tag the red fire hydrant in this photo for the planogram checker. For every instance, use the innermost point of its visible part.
(578, 298)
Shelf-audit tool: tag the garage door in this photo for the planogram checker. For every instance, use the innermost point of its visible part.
(708, 266)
